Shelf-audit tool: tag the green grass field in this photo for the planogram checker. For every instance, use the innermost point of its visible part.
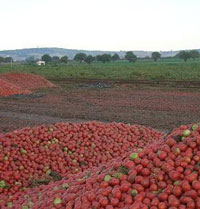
(165, 69)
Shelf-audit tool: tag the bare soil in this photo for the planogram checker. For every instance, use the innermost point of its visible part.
(163, 106)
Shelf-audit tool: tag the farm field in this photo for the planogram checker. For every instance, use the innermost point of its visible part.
(163, 70)
(162, 95)
(159, 106)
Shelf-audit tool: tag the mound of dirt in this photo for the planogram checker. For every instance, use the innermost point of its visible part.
(8, 88)
(27, 81)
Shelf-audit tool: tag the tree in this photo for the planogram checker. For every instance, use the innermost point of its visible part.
(185, 55)
(194, 54)
(30, 60)
(8, 59)
(89, 59)
(55, 59)
(1, 59)
(80, 57)
(98, 58)
(155, 56)
(64, 59)
(105, 58)
(46, 58)
(115, 57)
(130, 56)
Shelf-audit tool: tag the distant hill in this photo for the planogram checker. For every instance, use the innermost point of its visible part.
(22, 54)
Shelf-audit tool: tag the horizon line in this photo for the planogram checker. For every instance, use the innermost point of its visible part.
(97, 49)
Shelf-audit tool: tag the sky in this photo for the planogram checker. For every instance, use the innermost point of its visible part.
(160, 25)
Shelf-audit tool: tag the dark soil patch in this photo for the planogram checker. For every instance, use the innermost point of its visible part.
(28, 96)
(94, 85)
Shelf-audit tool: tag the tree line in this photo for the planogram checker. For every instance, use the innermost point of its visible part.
(82, 57)
(55, 59)
(6, 59)
(185, 55)
(130, 56)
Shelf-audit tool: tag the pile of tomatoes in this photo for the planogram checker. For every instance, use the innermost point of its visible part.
(34, 156)
(7, 89)
(22, 83)
(27, 81)
(163, 174)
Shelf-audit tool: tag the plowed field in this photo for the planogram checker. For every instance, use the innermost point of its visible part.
(156, 106)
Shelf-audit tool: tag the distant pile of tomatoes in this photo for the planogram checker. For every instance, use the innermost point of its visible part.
(21, 83)
(8, 89)
(132, 167)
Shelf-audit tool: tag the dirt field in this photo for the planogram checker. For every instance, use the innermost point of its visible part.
(150, 104)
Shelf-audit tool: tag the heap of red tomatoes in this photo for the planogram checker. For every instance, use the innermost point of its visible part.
(21, 83)
(27, 81)
(164, 174)
(34, 156)
(7, 89)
